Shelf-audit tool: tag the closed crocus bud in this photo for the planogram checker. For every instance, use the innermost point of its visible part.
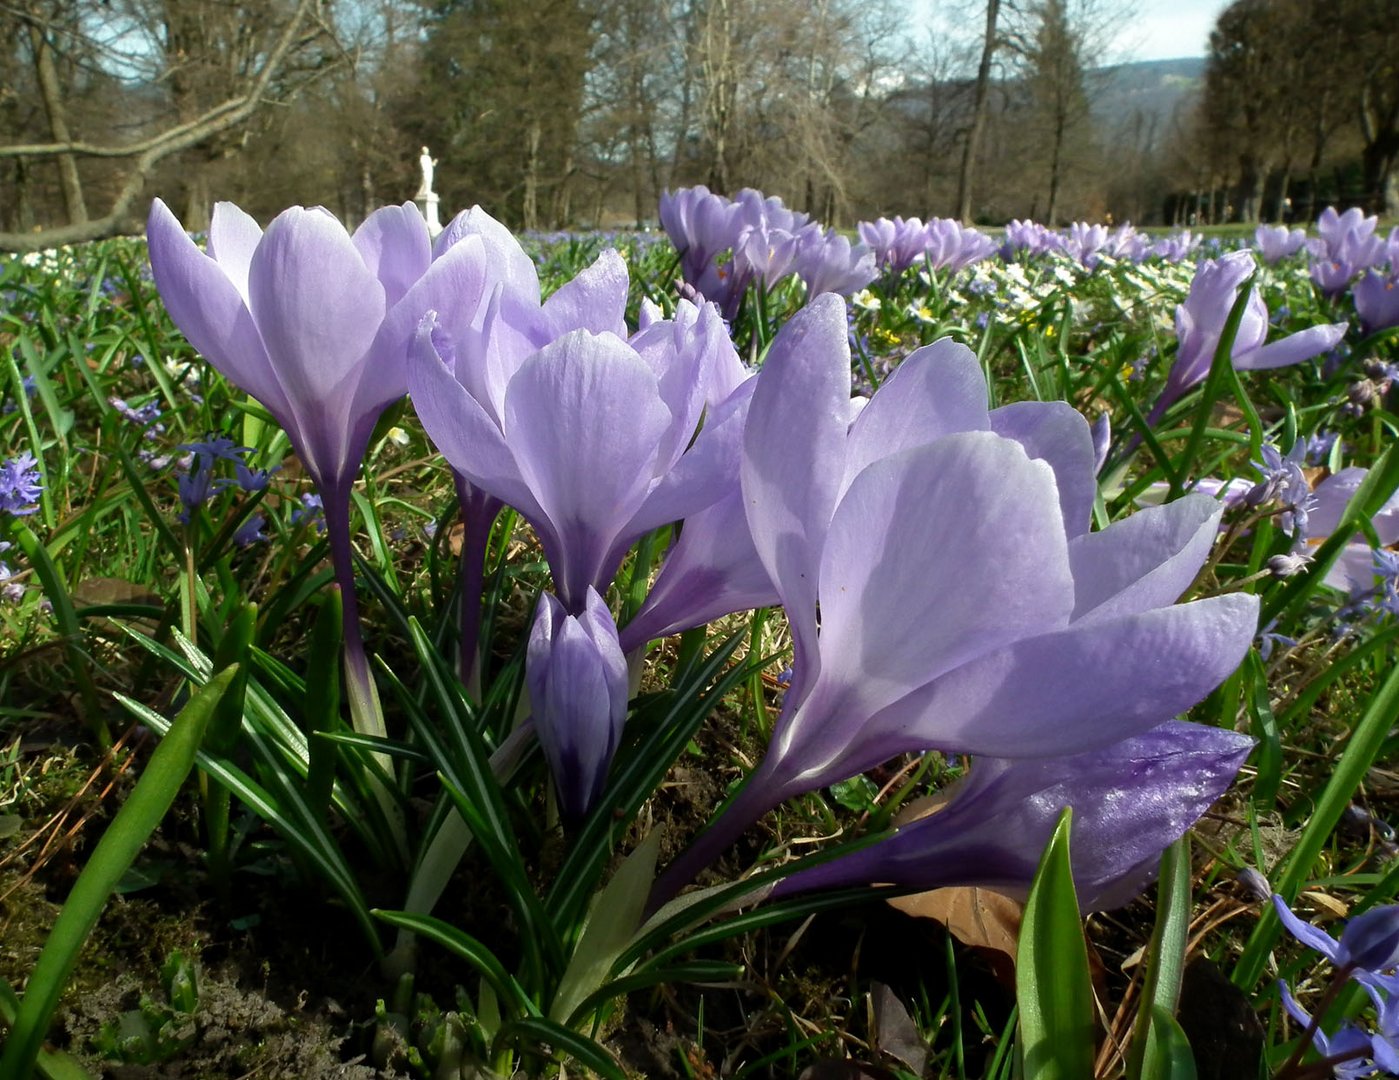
(577, 680)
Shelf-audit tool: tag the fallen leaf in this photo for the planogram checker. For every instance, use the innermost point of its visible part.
(895, 1032)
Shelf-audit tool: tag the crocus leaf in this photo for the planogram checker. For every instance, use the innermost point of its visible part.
(1168, 1053)
(615, 916)
(1053, 989)
(1151, 1055)
(138, 817)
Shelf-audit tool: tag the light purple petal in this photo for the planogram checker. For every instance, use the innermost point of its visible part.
(713, 570)
(1130, 801)
(936, 391)
(794, 458)
(395, 246)
(466, 436)
(935, 556)
(233, 237)
(1303, 931)
(1303, 345)
(595, 299)
(1144, 561)
(453, 283)
(1073, 690)
(583, 420)
(209, 311)
(509, 265)
(1057, 433)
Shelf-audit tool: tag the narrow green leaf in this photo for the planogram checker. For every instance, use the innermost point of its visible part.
(1052, 984)
(1168, 1051)
(52, 1064)
(537, 1032)
(1165, 965)
(1361, 750)
(463, 945)
(138, 817)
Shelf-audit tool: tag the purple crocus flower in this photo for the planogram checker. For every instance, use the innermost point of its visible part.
(829, 263)
(1131, 800)
(951, 246)
(1200, 323)
(1277, 242)
(897, 244)
(963, 604)
(577, 680)
(1354, 568)
(1346, 244)
(1030, 237)
(1175, 248)
(1084, 242)
(1376, 299)
(589, 436)
(315, 323)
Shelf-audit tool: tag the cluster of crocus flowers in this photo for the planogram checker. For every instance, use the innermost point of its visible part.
(944, 243)
(934, 557)
(944, 593)
(1201, 321)
(1345, 245)
(726, 245)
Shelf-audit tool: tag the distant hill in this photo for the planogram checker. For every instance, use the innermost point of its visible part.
(1149, 92)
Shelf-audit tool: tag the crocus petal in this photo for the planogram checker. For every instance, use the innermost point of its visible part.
(395, 246)
(1130, 801)
(205, 304)
(577, 678)
(938, 555)
(453, 283)
(316, 304)
(794, 458)
(509, 265)
(712, 571)
(936, 391)
(1057, 433)
(1144, 561)
(583, 420)
(233, 237)
(462, 431)
(1096, 682)
(1303, 345)
(595, 299)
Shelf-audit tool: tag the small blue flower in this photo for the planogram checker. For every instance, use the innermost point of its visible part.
(20, 485)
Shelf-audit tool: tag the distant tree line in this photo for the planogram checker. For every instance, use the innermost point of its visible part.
(555, 113)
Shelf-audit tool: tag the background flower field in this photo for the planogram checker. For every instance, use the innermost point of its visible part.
(162, 530)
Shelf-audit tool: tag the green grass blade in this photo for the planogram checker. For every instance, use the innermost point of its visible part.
(138, 817)
(1165, 968)
(1361, 750)
(1052, 984)
(539, 1031)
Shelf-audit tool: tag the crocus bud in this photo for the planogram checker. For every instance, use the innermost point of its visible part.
(577, 680)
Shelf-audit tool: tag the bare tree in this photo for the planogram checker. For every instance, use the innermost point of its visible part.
(252, 82)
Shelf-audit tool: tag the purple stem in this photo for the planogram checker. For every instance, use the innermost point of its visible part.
(478, 514)
(364, 700)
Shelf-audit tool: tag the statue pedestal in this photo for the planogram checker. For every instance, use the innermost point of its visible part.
(427, 203)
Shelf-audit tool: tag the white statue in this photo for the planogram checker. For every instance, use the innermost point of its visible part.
(426, 162)
(426, 198)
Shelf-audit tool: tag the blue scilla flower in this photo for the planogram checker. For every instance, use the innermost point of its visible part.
(20, 485)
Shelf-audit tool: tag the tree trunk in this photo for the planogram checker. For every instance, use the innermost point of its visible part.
(529, 206)
(978, 124)
(52, 93)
